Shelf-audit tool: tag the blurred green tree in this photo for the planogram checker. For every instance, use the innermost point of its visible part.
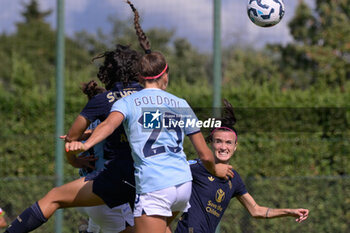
(321, 51)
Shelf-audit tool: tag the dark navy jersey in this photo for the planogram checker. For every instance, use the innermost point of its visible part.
(209, 199)
(116, 145)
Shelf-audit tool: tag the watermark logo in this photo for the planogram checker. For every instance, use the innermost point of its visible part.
(156, 119)
(151, 119)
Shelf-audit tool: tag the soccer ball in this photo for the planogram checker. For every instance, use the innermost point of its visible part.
(265, 13)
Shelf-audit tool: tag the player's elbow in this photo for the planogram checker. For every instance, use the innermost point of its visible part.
(255, 215)
(257, 212)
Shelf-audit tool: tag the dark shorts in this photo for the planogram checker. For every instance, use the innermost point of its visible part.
(113, 184)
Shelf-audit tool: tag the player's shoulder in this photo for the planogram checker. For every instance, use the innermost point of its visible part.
(135, 94)
(235, 171)
(181, 100)
(126, 90)
(102, 97)
(119, 91)
(97, 103)
(236, 175)
(172, 96)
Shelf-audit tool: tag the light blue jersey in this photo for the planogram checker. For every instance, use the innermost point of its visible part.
(155, 123)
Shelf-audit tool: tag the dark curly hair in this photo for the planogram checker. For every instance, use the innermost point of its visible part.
(228, 120)
(91, 89)
(120, 65)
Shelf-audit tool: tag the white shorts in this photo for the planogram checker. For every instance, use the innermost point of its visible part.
(165, 201)
(110, 220)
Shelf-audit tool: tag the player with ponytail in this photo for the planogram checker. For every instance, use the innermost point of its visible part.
(163, 177)
(209, 192)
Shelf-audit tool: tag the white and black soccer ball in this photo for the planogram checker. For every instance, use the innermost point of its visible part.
(265, 13)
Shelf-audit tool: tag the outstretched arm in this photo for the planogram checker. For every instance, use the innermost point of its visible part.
(101, 132)
(205, 154)
(264, 212)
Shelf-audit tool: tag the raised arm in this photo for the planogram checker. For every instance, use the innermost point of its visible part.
(206, 156)
(101, 132)
(258, 211)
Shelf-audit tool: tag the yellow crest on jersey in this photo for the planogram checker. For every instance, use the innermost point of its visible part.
(220, 195)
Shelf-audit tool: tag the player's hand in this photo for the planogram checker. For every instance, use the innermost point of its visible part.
(223, 170)
(75, 147)
(65, 138)
(300, 214)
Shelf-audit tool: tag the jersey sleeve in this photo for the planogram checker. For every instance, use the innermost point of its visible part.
(94, 108)
(121, 106)
(240, 187)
